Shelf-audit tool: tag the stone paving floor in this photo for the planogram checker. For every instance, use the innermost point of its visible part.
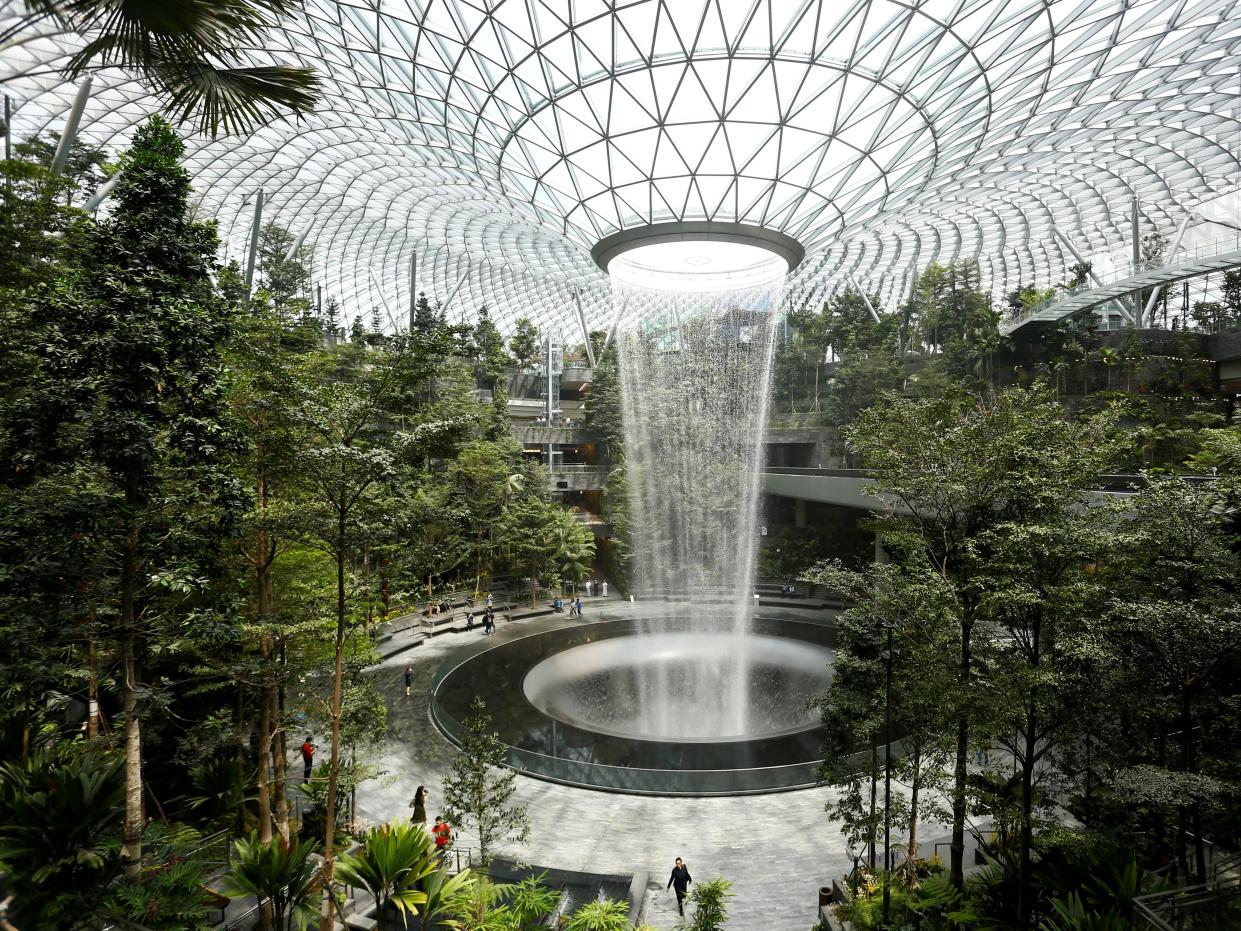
(777, 849)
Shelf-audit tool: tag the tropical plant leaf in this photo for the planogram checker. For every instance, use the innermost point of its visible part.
(236, 100)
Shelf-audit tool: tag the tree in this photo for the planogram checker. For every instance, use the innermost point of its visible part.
(59, 821)
(524, 344)
(134, 352)
(1231, 291)
(394, 861)
(280, 872)
(710, 900)
(1175, 626)
(958, 466)
(486, 477)
(600, 915)
(527, 531)
(478, 792)
(424, 316)
(191, 55)
(84, 167)
(284, 276)
(350, 452)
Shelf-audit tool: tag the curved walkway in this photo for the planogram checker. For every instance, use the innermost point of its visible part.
(777, 849)
(1089, 298)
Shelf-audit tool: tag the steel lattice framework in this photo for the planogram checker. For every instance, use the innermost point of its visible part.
(497, 140)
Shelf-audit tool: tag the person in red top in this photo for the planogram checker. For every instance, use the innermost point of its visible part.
(443, 834)
(308, 757)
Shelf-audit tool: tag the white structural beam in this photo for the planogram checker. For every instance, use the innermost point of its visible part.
(869, 306)
(581, 318)
(457, 287)
(70, 133)
(616, 319)
(1068, 244)
(252, 256)
(297, 243)
(1167, 258)
(383, 300)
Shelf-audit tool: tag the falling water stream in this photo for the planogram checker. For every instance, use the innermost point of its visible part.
(695, 369)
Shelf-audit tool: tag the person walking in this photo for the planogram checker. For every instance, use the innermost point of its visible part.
(489, 625)
(469, 621)
(409, 679)
(308, 757)
(419, 804)
(680, 880)
(572, 608)
(577, 607)
(489, 601)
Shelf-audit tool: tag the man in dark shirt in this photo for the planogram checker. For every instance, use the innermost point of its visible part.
(680, 880)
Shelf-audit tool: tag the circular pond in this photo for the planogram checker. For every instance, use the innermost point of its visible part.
(643, 705)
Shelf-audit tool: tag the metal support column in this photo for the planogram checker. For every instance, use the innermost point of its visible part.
(297, 243)
(8, 127)
(70, 132)
(254, 243)
(1167, 259)
(616, 319)
(457, 287)
(581, 318)
(413, 288)
(1120, 308)
(1135, 234)
(383, 300)
(101, 193)
(869, 306)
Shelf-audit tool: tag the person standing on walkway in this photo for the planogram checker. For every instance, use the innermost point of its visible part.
(409, 679)
(680, 880)
(577, 607)
(308, 757)
(603, 588)
(443, 835)
(419, 805)
(489, 625)
(489, 601)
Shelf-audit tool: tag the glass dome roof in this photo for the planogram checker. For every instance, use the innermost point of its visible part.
(496, 141)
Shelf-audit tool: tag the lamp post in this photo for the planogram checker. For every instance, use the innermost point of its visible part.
(888, 655)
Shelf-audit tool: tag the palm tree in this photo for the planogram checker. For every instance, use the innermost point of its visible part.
(575, 547)
(280, 872)
(396, 859)
(188, 50)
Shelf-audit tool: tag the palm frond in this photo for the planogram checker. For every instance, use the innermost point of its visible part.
(236, 100)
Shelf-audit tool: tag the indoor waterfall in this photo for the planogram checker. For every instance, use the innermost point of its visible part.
(695, 369)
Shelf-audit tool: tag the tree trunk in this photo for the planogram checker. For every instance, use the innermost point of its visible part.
(915, 787)
(329, 829)
(956, 870)
(1025, 891)
(280, 759)
(874, 801)
(92, 700)
(135, 820)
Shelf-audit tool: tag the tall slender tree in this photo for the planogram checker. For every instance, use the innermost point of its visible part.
(134, 351)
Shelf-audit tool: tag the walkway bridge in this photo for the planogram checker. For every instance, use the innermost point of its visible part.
(854, 488)
(1221, 255)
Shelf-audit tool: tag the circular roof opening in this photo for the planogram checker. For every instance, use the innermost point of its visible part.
(697, 256)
